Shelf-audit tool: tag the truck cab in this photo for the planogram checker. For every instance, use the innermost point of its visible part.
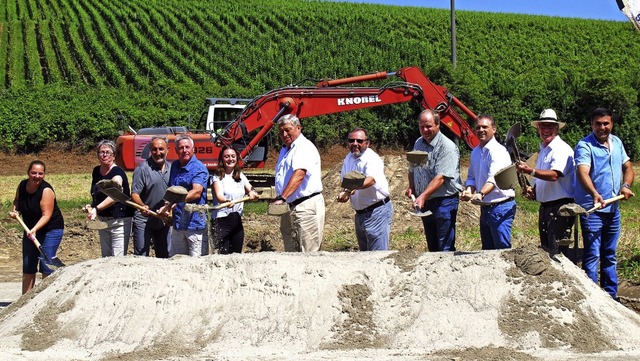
(133, 147)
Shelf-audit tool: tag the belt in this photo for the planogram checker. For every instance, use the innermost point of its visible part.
(373, 206)
(557, 202)
(443, 197)
(302, 199)
(497, 203)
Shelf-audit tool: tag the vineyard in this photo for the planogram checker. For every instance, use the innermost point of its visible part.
(69, 69)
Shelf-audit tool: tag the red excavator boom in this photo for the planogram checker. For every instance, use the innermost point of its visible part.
(329, 97)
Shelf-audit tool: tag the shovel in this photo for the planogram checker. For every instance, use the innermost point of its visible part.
(114, 191)
(52, 263)
(573, 209)
(510, 142)
(416, 211)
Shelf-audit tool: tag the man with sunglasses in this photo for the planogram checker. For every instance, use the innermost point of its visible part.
(374, 212)
(436, 183)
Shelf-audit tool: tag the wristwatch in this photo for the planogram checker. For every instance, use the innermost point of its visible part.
(626, 185)
(533, 172)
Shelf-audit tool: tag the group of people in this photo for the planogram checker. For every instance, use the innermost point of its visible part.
(597, 169)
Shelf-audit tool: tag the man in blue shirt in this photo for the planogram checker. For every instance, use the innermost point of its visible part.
(189, 234)
(603, 171)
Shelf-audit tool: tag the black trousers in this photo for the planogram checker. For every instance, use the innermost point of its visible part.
(553, 227)
(228, 233)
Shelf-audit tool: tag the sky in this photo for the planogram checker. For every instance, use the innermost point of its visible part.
(588, 9)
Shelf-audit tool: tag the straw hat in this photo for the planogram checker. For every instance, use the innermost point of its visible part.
(548, 116)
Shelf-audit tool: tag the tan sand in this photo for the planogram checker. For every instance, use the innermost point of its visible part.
(517, 305)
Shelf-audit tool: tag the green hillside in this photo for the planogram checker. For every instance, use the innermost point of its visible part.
(70, 68)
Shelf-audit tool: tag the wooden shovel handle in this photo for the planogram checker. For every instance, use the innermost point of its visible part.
(606, 201)
(141, 208)
(26, 229)
(227, 204)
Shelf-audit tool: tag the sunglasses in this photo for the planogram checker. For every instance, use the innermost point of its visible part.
(359, 141)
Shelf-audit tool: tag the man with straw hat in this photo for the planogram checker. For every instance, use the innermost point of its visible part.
(554, 177)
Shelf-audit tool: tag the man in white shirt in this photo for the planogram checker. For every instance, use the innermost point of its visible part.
(374, 212)
(554, 178)
(498, 208)
(299, 183)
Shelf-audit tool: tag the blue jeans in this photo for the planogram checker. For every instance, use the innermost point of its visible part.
(31, 256)
(373, 228)
(440, 228)
(495, 225)
(600, 233)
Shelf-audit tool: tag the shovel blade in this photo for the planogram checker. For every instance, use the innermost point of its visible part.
(175, 194)
(108, 183)
(420, 214)
(571, 210)
(116, 194)
(53, 263)
(514, 131)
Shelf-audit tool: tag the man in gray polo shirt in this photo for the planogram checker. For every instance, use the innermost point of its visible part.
(437, 183)
(150, 182)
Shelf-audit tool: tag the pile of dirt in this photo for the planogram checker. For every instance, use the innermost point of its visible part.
(334, 306)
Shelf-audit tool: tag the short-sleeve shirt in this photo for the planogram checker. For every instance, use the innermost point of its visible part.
(557, 156)
(118, 210)
(232, 190)
(29, 208)
(443, 159)
(150, 182)
(371, 165)
(484, 164)
(605, 169)
(194, 172)
(302, 154)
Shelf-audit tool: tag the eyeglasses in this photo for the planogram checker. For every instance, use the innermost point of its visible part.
(105, 153)
(359, 141)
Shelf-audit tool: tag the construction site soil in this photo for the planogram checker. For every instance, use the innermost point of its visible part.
(518, 304)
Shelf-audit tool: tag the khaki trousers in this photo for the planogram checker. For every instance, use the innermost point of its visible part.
(303, 227)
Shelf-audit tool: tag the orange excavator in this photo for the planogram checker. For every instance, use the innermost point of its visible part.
(249, 130)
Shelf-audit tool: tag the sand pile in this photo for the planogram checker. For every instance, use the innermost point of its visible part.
(516, 305)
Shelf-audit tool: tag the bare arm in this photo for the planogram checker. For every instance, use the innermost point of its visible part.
(435, 183)
(294, 182)
(627, 176)
(218, 192)
(195, 193)
(548, 175)
(46, 207)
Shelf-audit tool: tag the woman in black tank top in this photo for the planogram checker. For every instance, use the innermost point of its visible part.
(36, 201)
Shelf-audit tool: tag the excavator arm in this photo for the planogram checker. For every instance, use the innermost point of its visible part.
(330, 96)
